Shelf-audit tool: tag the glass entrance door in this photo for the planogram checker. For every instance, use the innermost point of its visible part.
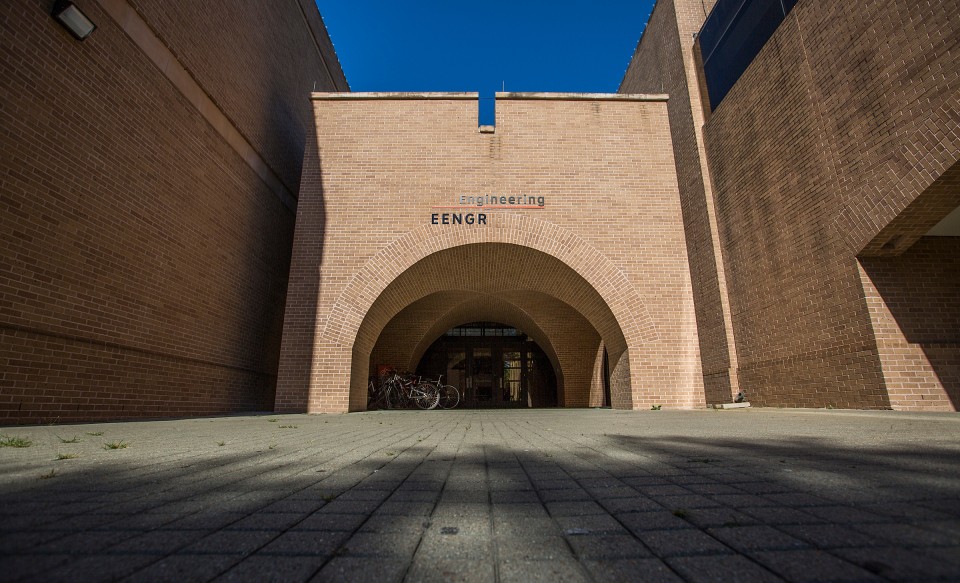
(513, 378)
(493, 366)
(482, 377)
(457, 370)
(497, 375)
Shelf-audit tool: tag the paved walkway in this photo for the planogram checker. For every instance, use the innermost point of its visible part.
(547, 495)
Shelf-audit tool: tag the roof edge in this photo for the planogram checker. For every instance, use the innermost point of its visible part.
(636, 50)
(321, 38)
(333, 96)
(584, 96)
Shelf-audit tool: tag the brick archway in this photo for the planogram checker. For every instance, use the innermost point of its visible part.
(354, 302)
(645, 367)
(499, 275)
(411, 332)
(406, 338)
(570, 269)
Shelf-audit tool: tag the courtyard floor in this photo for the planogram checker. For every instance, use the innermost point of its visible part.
(536, 495)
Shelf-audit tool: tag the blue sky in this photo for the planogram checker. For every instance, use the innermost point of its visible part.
(524, 45)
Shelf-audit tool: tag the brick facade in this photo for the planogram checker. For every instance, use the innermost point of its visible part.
(914, 308)
(151, 175)
(664, 62)
(146, 175)
(830, 159)
(368, 262)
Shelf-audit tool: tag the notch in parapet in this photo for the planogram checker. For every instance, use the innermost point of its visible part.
(487, 114)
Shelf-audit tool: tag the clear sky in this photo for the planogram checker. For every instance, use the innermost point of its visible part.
(455, 45)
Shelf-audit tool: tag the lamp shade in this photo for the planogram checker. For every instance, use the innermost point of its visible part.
(73, 19)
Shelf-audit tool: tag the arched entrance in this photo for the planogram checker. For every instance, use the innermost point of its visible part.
(600, 257)
(571, 299)
(516, 286)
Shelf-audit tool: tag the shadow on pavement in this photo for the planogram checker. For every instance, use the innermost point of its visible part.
(473, 497)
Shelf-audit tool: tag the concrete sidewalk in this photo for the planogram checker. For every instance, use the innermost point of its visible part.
(542, 495)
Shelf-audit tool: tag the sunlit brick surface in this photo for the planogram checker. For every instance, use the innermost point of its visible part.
(607, 248)
(664, 61)
(831, 146)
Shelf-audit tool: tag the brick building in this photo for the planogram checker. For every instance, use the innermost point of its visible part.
(149, 177)
(580, 247)
(768, 206)
(824, 238)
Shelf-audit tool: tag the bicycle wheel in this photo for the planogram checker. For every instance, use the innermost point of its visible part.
(426, 395)
(449, 397)
(391, 396)
(377, 396)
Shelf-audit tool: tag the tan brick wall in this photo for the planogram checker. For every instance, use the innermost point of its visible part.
(143, 258)
(914, 304)
(830, 146)
(664, 62)
(609, 242)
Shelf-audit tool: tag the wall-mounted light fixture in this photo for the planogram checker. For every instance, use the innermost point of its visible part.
(72, 19)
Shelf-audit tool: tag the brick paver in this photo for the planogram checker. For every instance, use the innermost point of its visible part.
(542, 495)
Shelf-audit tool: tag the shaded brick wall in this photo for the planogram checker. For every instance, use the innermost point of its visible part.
(839, 129)
(364, 249)
(259, 67)
(142, 259)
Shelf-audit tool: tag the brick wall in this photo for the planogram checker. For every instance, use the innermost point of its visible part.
(143, 256)
(832, 145)
(259, 67)
(914, 309)
(664, 62)
(604, 167)
(840, 141)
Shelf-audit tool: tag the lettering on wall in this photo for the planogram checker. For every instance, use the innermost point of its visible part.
(458, 219)
(486, 202)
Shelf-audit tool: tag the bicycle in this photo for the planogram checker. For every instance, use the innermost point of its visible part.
(396, 391)
(449, 395)
(423, 395)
